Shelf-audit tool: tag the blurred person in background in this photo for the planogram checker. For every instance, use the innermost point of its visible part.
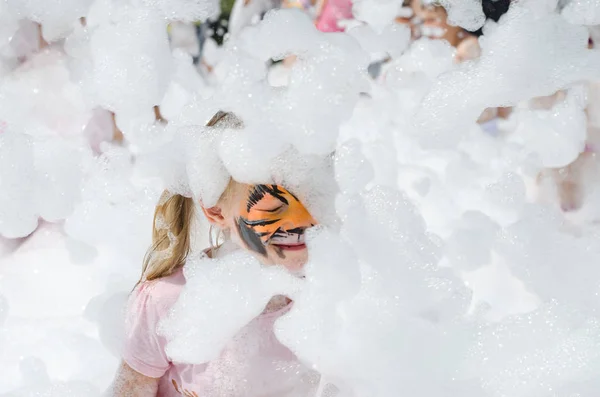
(570, 180)
(327, 15)
(430, 19)
(330, 12)
(202, 40)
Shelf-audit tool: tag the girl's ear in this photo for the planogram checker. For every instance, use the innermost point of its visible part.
(214, 216)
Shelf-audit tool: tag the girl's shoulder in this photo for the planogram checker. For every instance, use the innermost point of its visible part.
(160, 294)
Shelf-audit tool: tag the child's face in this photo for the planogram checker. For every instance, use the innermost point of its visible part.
(270, 221)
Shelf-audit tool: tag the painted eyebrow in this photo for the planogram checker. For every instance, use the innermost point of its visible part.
(255, 196)
(260, 191)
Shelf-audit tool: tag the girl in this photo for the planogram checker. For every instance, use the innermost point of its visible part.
(267, 220)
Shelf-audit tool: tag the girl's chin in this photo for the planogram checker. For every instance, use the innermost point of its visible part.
(293, 260)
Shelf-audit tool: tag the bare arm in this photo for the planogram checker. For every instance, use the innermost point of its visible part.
(130, 383)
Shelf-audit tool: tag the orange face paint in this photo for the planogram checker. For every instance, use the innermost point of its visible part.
(272, 214)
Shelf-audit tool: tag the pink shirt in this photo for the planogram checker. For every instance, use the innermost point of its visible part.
(254, 363)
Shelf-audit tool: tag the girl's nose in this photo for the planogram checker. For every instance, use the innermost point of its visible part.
(298, 223)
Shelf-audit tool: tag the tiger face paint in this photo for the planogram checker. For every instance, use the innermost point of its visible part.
(272, 218)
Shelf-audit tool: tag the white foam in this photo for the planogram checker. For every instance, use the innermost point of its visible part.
(4, 307)
(582, 12)
(234, 284)
(126, 54)
(182, 10)
(556, 135)
(504, 70)
(57, 16)
(434, 271)
(467, 14)
(378, 14)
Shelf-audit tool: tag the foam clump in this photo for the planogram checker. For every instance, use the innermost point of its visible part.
(127, 53)
(235, 284)
(184, 86)
(535, 354)
(538, 259)
(370, 285)
(182, 10)
(54, 329)
(18, 38)
(467, 14)
(277, 118)
(280, 126)
(110, 196)
(392, 40)
(358, 307)
(57, 16)
(47, 154)
(556, 135)
(411, 75)
(378, 14)
(206, 174)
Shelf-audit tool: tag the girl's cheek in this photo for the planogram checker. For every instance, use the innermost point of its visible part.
(239, 242)
(235, 238)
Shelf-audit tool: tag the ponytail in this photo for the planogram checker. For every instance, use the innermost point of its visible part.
(173, 218)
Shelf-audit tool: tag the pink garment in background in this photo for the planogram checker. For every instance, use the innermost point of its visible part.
(334, 11)
(254, 363)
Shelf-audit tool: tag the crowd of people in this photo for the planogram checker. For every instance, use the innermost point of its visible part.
(425, 18)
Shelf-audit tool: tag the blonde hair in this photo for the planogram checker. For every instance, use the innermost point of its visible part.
(173, 219)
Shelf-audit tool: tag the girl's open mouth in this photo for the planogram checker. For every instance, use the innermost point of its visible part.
(291, 247)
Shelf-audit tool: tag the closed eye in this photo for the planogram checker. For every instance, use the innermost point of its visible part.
(270, 210)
